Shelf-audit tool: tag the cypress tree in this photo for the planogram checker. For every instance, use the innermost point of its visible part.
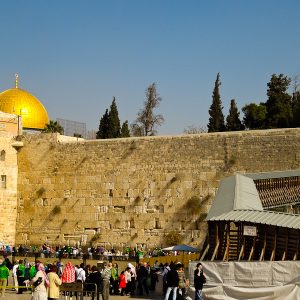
(125, 130)
(103, 127)
(279, 103)
(114, 121)
(216, 119)
(233, 122)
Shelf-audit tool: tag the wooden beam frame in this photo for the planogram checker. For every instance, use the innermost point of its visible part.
(242, 250)
(217, 243)
(263, 251)
(226, 253)
(205, 252)
(252, 249)
(274, 247)
(297, 247)
(286, 246)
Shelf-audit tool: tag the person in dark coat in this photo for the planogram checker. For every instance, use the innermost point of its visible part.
(142, 275)
(172, 282)
(94, 278)
(199, 280)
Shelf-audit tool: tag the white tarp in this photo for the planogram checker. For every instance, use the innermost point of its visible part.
(268, 280)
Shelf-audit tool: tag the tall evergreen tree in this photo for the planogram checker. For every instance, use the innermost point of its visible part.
(114, 121)
(279, 103)
(233, 122)
(216, 119)
(296, 109)
(125, 130)
(103, 127)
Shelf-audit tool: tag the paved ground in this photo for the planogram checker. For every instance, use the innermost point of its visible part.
(11, 295)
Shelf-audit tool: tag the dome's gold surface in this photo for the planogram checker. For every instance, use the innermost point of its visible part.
(22, 103)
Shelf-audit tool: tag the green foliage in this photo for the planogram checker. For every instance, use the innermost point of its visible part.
(216, 119)
(53, 126)
(173, 238)
(109, 126)
(56, 210)
(146, 119)
(103, 127)
(254, 116)
(233, 122)
(40, 192)
(279, 103)
(113, 121)
(296, 109)
(125, 130)
(65, 221)
(193, 205)
(95, 237)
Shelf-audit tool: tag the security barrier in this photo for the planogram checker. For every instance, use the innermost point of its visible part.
(79, 291)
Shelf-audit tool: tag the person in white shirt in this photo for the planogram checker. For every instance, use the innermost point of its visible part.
(14, 274)
(80, 274)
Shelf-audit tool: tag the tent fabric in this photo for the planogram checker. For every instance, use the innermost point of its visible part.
(250, 280)
(224, 292)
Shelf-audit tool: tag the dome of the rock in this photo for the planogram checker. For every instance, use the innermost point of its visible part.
(19, 102)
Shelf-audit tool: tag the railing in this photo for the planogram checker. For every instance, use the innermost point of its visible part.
(79, 290)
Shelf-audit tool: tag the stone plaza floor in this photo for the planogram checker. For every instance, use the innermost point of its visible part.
(12, 295)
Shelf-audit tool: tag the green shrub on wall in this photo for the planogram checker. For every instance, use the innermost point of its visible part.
(173, 238)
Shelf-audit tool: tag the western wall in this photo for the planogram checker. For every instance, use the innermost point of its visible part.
(134, 191)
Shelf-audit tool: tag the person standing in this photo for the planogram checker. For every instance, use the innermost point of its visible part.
(106, 274)
(21, 277)
(40, 282)
(199, 280)
(94, 278)
(122, 284)
(172, 282)
(142, 274)
(54, 283)
(4, 273)
(182, 282)
(14, 275)
(68, 274)
(114, 280)
(80, 274)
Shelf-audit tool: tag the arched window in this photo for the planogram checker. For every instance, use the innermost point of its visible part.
(2, 155)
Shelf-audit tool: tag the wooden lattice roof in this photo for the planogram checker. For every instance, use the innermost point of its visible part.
(278, 191)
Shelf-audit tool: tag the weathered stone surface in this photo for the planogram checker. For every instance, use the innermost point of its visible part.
(128, 191)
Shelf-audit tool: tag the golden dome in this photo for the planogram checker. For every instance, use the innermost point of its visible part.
(19, 102)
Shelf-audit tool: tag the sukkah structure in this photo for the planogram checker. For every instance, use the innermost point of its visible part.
(255, 217)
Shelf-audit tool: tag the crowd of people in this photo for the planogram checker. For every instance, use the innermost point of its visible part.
(106, 279)
(64, 251)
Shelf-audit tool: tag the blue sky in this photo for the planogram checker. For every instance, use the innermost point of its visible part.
(76, 55)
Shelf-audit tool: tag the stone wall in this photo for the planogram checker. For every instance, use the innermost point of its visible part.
(8, 188)
(134, 191)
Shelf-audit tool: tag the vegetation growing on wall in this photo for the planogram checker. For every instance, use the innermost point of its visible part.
(173, 238)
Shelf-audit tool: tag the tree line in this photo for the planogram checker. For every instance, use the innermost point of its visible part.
(145, 124)
(281, 110)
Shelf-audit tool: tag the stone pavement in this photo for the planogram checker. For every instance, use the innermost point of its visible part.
(157, 294)
(10, 295)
